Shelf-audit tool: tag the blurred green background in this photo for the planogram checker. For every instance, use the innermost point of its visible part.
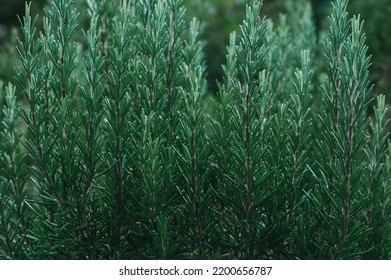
(219, 18)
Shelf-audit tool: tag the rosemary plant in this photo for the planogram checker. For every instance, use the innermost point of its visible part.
(243, 191)
(195, 191)
(136, 160)
(300, 138)
(377, 208)
(342, 164)
(14, 214)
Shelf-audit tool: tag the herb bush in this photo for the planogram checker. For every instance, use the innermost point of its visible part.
(116, 151)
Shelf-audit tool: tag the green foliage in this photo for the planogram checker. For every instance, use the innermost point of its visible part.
(14, 214)
(242, 193)
(342, 166)
(294, 32)
(118, 152)
(378, 207)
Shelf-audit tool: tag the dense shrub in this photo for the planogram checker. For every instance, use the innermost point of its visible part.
(118, 152)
